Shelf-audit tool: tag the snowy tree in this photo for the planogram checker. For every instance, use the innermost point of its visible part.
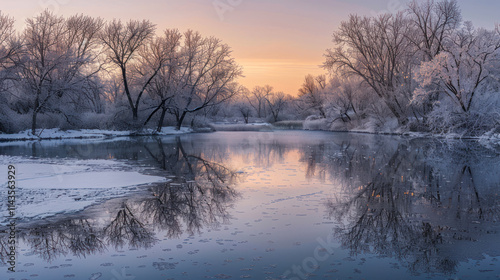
(166, 84)
(10, 45)
(245, 110)
(463, 68)
(127, 46)
(435, 22)
(277, 102)
(312, 94)
(379, 51)
(57, 58)
(207, 77)
(82, 37)
(348, 97)
(257, 99)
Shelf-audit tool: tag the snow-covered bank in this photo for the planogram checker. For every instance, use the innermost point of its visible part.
(55, 133)
(486, 139)
(45, 188)
(241, 126)
(392, 128)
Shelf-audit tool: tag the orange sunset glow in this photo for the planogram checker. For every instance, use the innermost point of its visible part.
(277, 42)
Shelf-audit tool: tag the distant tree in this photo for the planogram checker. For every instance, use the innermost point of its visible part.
(83, 34)
(257, 99)
(244, 108)
(128, 49)
(277, 102)
(246, 111)
(380, 51)
(312, 94)
(348, 97)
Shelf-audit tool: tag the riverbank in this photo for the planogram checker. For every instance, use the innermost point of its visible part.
(488, 137)
(56, 133)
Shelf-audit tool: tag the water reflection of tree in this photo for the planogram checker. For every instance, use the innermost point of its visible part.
(126, 228)
(197, 195)
(410, 208)
(75, 236)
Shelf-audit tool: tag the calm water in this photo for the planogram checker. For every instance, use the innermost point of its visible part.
(275, 205)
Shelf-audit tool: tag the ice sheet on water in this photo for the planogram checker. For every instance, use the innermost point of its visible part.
(46, 188)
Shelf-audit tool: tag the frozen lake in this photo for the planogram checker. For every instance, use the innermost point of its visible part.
(258, 205)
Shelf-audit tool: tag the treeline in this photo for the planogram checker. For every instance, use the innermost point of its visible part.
(423, 67)
(82, 72)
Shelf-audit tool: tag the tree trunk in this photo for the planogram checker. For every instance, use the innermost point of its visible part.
(33, 122)
(275, 117)
(134, 114)
(36, 107)
(402, 119)
(160, 121)
(180, 120)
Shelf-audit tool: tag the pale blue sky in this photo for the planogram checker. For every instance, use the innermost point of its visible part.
(277, 41)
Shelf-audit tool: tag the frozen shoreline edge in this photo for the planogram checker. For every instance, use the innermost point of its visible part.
(57, 134)
(169, 131)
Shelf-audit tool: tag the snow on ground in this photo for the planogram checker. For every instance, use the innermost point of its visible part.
(56, 133)
(47, 188)
(242, 126)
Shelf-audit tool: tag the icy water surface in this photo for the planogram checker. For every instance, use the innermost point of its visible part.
(270, 205)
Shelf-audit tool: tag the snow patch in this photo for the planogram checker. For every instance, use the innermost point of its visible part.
(56, 133)
(46, 189)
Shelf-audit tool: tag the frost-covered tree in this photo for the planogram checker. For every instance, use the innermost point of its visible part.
(463, 68)
(348, 98)
(10, 45)
(379, 51)
(312, 96)
(434, 22)
(257, 99)
(128, 48)
(57, 58)
(277, 102)
(245, 109)
(207, 76)
(166, 84)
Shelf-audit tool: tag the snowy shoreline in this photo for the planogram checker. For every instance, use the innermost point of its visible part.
(486, 138)
(56, 133)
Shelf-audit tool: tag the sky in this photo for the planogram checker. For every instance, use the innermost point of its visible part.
(278, 42)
